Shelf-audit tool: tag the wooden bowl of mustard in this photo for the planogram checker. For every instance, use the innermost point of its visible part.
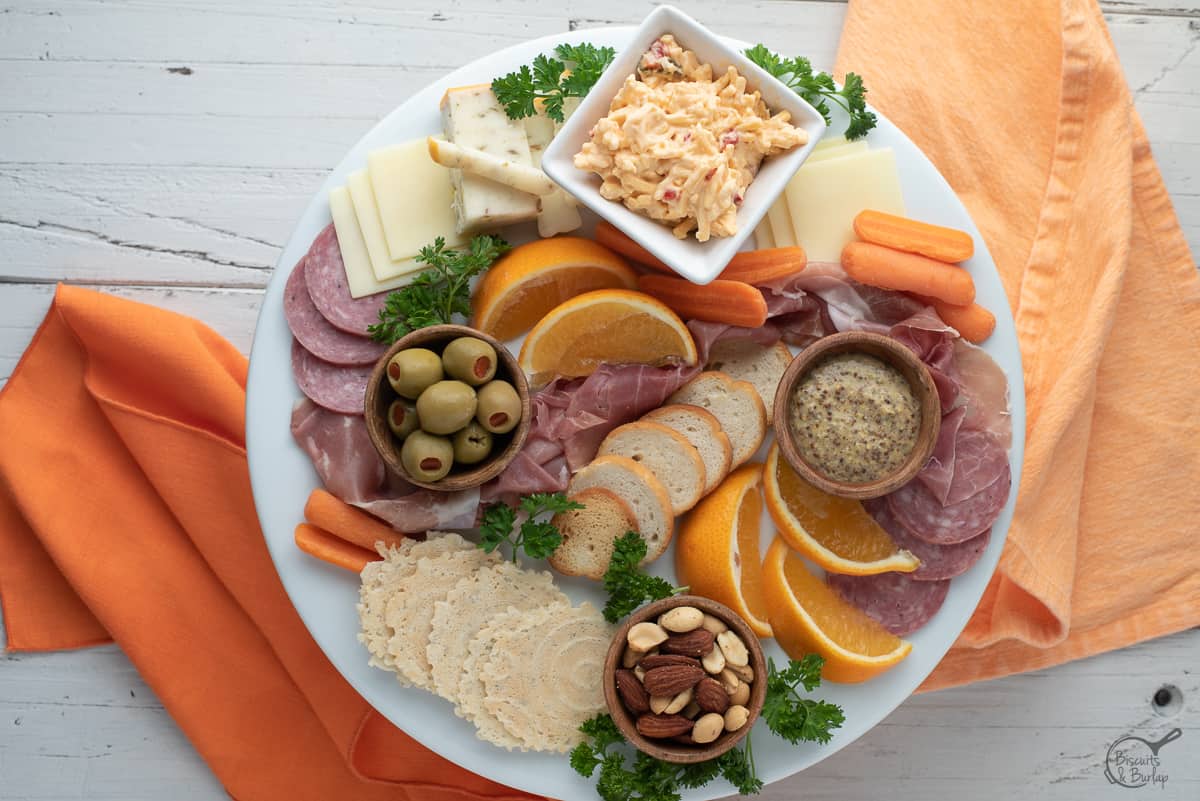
(857, 414)
(457, 413)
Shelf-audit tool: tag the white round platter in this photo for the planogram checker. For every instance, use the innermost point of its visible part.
(325, 597)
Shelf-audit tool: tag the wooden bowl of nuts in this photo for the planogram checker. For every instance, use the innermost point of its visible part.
(685, 679)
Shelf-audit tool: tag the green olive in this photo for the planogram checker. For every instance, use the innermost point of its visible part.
(412, 370)
(471, 360)
(472, 444)
(426, 457)
(402, 417)
(499, 408)
(446, 407)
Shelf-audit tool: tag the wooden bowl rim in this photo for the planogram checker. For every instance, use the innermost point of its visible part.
(381, 436)
(667, 750)
(919, 380)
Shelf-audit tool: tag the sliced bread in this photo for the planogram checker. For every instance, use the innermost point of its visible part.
(735, 404)
(588, 534)
(704, 432)
(668, 454)
(633, 483)
(746, 360)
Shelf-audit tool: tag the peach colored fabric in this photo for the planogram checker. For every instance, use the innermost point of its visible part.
(125, 513)
(1024, 108)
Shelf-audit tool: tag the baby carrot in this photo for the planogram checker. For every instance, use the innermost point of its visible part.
(883, 267)
(974, 322)
(721, 301)
(328, 548)
(761, 266)
(913, 236)
(614, 239)
(328, 512)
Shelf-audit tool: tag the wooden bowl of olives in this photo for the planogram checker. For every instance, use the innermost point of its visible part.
(447, 407)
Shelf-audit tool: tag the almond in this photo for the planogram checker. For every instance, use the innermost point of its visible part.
(659, 660)
(711, 696)
(696, 643)
(663, 726)
(632, 693)
(672, 679)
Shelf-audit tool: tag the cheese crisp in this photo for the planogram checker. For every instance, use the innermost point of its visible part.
(681, 147)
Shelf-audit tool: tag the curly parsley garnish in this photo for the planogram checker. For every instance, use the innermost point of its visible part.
(817, 89)
(440, 292)
(552, 80)
(537, 538)
(627, 586)
(792, 716)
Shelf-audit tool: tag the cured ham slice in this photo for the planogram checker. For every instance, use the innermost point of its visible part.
(316, 334)
(900, 603)
(325, 274)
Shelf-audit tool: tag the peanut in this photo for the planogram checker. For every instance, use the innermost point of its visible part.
(681, 619)
(714, 661)
(708, 728)
(736, 717)
(659, 703)
(644, 636)
(679, 701)
(713, 624)
(740, 695)
(744, 672)
(630, 658)
(729, 680)
(734, 649)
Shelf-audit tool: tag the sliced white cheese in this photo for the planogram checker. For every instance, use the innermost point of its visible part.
(823, 199)
(471, 117)
(835, 152)
(414, 196)
(359, 275)
(557, 213)
(365, 208)
(780, 220)
(763, 238)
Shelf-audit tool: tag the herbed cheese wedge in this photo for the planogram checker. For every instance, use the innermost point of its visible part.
(735, 404)
(471, 117)
(667, 453)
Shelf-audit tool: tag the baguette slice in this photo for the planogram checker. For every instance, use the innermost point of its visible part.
(704, 432)
(667, 453)
(637, 486)
(588, 534)
(745, 360)
(735, 404)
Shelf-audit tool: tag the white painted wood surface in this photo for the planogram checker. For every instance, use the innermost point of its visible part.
(164, 150)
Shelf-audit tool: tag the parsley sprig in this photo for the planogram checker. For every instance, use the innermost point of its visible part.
(627, 586)
(650, 779)
(792, 716)
(552, 80)
(440, 292)
(538, 538)
(818, 89)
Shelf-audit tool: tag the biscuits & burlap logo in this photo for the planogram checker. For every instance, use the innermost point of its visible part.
(1134, 761)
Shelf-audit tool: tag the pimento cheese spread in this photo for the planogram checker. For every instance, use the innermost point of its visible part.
(681, 147)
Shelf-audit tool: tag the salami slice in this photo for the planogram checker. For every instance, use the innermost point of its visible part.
(336, 387)
(937, 561)
(315, 333)
(325, 275)
(916, 508)
(900, 604)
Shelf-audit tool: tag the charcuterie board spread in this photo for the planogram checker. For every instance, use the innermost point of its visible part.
(637, 434)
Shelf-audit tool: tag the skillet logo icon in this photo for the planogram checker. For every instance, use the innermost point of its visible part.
(1134, 762)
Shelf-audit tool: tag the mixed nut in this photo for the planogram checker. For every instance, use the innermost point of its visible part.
(685, 677)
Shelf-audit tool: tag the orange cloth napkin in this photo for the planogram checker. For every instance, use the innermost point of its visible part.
(1024, 108)
(125, 514)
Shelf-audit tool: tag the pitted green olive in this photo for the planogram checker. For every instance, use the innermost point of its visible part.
(499, 407)
(412, 370)
(402, 417)
(427, 457)
(471, 360)
(446, 407)
(472, 444)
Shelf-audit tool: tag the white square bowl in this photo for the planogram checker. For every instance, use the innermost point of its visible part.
(699, 262)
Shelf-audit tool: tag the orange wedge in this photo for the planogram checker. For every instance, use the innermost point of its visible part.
(716, 549)
(809, 617)
(614, 326)
(836, 533)
(532, 279)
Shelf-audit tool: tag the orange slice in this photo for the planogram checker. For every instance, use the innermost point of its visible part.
(836, 533)
(532, 279)
(809, 617)
(615, 326)
(716, 549)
